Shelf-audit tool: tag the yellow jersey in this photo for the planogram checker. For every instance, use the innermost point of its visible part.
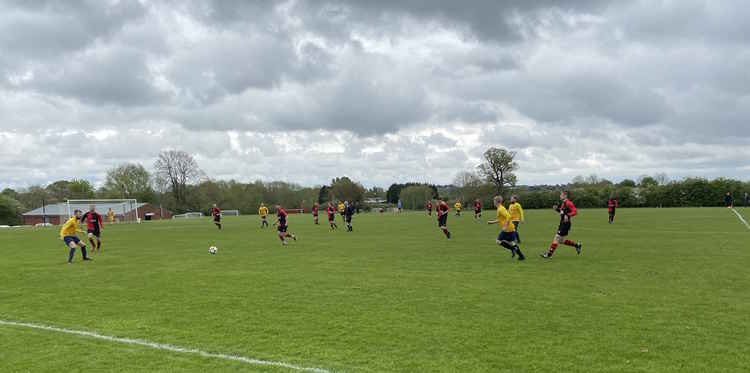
(516, 212)
(503, 216)
(111, 216)
(458, 206)
(263, 211)
(341, 207)
(70, 228)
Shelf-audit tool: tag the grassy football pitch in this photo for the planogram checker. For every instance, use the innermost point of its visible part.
(661, 290)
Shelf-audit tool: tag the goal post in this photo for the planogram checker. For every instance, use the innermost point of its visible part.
(230, 212)
(124, 210)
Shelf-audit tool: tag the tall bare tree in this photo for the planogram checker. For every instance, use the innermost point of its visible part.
(177, 169)
(498, 167)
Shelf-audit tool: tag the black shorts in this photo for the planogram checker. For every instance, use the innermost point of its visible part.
(506, 236)
(612, 212)
(443, 220)
(96, 232)
(217, 219)
(563, 229)
(282, 228)
(348, 219)
(331, 218)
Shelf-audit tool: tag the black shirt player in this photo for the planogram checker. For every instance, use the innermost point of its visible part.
(348, 213)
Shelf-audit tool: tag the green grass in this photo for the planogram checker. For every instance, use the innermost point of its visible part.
(662, 290)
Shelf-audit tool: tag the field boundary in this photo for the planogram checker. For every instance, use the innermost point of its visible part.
(739, 216)
(165, 347)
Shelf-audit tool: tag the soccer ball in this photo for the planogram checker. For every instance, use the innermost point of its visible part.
(212, 250)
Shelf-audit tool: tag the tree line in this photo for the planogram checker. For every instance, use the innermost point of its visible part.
(179, 185)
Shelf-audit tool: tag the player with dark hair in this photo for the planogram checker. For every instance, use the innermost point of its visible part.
(566, 210)
(458, 207)
(477, 209)
(348, 213)
(281, 225)
(728, 200)
(315, 213)
(507, 236)
(428, 207)
(94, 223)
(331, 216)
(442, 214)
(611, 207)
(216, 213)
(68, 235)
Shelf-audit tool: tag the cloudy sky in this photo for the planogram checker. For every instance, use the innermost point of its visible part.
(381, 91)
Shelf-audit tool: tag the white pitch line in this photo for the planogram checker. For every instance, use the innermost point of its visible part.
(166, 347)
(739, 216)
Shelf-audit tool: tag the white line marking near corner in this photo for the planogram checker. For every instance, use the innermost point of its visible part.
(739, 216)
(166, 347)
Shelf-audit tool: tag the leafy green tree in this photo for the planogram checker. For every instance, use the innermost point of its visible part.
(81, 189)
(9, 211)
(344, 189)
(129, 181)
(498, 168)
(414, 197)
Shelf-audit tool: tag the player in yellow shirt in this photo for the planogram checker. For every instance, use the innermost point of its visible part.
(68, 235)
(342, 209)
(263, 212)
(458, 207)
(507, 235)
(516, 214)
(111, 216)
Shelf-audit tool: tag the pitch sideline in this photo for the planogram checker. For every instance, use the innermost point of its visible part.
(739, 216)
(166, 347)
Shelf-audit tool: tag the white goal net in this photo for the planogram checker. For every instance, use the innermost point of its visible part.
(230, 212)
(111, 210)
(188, 215)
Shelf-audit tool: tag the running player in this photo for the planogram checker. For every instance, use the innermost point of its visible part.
(458, 208)
(315, 213)
(728, 200)
(94, 223)
(516, 215)
(566, 210)
(348, 213)
(507, 235)
(263, 212)
(216, 213)
(68, 235)
(342, 208)
(477, 209)
(111, 216)
(282, 226)
(331, 216)
(611, 207)
(442, 214)
(428, 207)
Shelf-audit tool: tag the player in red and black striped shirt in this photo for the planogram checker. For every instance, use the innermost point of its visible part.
(94, 223)
(477, 209)
(428, 207)
(216, 213)
(566, 210)
(331, 216)
(315, 213)
(442, 213)
(611, 207)
(281, 224)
